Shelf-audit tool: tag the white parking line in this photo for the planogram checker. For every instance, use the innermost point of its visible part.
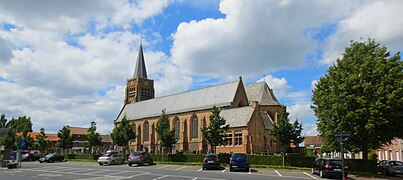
(278, 173)
(180, 168)
(161, 177)
(310, 175)
(224, 170)
(194, 178)
(163, 167)
(250, 171)
(139, 174)
(201, 169)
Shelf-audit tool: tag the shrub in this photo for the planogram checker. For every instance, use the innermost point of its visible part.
(361, 165)
(299, 161)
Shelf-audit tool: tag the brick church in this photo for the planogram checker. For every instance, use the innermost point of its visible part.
(250, 110)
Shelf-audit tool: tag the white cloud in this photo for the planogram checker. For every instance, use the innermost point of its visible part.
(381, 20)
(56, 83)
(253, 38)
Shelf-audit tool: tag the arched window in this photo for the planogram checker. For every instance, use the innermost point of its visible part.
(146, 131)
(177, 128)
(134, 130)
(195, 127)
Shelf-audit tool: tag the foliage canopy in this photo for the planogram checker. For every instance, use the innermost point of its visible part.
(362, 94)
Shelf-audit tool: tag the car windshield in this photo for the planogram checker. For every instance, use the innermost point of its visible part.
(49, 155)
(106, 155)
(211, 157)
(335, 162)
(396, 163)
(238, 156)
(136, 154)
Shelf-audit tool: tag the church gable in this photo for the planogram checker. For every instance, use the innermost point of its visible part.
(261, 93)
(240, 98)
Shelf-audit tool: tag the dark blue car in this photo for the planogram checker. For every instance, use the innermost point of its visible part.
(239, 161)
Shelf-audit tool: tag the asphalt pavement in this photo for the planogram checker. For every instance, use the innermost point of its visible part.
(92, 171)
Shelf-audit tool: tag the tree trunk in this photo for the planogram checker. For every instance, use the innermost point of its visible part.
(365, 153)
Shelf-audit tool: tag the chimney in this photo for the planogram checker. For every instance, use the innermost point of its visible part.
(240, 78)
(255, 104)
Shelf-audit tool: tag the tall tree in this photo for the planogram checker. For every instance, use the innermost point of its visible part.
(21, 124)
(362, 93)
(9, 139)
(167, 136)
(215, 132)
(285, 133)
(92, 139)
(3, 121)
(41, 138)
(65, 139)
(123, 133)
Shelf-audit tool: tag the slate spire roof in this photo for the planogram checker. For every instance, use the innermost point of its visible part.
(140, 69)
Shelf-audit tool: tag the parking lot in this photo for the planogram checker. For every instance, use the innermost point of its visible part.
(90, 171)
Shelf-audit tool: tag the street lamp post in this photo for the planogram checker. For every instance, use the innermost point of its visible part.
(342, 137)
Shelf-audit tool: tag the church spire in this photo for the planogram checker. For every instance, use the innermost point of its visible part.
(140, 69)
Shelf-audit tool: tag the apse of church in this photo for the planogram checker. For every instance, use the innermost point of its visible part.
(250, 111)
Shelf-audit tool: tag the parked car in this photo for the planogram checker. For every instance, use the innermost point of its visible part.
(390, 167)
(329, 167)
(239, 161)
(211, 161)
(110, 159)
(29, 157)
(52, 157)
(12, 163)
(139, 158)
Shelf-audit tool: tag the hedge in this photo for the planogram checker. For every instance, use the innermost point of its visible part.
(361, 165)
(355, 165)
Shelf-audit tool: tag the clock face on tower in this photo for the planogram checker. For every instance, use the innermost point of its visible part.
(146, 83)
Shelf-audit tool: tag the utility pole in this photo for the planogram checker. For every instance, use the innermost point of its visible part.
(342, 137)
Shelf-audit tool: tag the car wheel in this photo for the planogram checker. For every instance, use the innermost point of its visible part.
(100, 164)
(40, 161)
(321, 174)
(113, 163)
(130, 164)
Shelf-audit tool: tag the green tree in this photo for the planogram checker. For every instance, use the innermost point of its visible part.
(123, 133)
(215, 132)
(167, 136)
(65, 139)
(21, 124)
(362, 94)
(92, 139)
(284, 132)
(3, 121)
(41, 138)
(9, 139)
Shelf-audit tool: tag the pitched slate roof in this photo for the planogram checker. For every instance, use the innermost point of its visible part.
(205, 98)
(268, 122)
(261, 93)
(237, 117)
(140, 69)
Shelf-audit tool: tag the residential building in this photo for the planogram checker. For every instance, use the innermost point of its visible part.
(392, 151)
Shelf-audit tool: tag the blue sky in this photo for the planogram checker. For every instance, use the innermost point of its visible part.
(66, 62)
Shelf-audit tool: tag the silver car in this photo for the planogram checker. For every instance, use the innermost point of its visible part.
(110, 159)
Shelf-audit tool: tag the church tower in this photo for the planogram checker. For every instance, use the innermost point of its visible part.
(139, 88)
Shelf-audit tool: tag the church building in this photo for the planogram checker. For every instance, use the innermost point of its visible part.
(249, 110)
